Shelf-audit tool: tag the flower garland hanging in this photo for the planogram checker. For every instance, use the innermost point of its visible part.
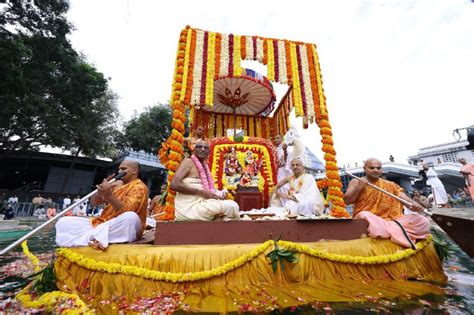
(204, 174)
(175, 277)
(174, 144)
(32, 258)
(203, 56)
(334, 194)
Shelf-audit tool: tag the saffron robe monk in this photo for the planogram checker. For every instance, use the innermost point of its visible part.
(196, 198)
(380, 210)
(122, 220)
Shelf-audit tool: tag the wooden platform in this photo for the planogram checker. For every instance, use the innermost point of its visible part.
(244, 232)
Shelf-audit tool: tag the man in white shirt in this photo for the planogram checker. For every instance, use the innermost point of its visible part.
(66, 202)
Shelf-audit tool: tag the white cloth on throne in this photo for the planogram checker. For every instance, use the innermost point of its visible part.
(196, 208)
(306, 192)
(78, 231)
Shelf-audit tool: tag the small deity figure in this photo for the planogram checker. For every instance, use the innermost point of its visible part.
(252, 167)
(232, 166)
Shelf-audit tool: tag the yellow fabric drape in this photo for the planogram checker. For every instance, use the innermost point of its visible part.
(310, 279)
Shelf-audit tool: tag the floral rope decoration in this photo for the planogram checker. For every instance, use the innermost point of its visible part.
(204, 56)
(260, 147)
(335, 194)
(173, 146)
(56, 302)
(128, 270)
(33, 259)
(204, 174)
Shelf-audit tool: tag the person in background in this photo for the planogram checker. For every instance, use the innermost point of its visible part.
(51, 211)
(467, 171)
(13, 200)
(66, 202)
(422, 200)
(439, 192)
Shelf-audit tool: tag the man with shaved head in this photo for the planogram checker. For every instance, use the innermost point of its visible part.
(122, 220)
(385, 213)
(303, 196)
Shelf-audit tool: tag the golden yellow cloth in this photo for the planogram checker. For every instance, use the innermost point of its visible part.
(134, 196)
(309, 280)
(379, 203)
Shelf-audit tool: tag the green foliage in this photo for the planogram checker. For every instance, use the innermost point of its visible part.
(280, 255)
(148, 130)
(443, 248)
(238, 139)
(45, 280)
(49, 94)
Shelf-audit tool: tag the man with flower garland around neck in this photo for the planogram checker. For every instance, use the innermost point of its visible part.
(384, 213)
(303, 196)
(123, 219)
(196, 198)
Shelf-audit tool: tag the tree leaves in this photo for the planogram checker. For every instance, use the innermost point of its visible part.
(49, 94)
(148, 130)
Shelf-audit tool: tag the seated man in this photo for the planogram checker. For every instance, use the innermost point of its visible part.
(196, 197)
(121, 221)
(385, 213)
(419, 198)
(303, 196)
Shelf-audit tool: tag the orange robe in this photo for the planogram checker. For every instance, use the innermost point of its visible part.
(379, 203)
(134, 196)
(379, 210)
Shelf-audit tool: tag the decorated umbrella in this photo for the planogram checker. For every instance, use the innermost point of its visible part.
(249, 94)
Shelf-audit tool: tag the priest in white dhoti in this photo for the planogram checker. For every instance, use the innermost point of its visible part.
(121, 221)
(196, 198)
(439, 192)
(303, 196)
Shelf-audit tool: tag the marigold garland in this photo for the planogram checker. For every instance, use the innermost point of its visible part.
(203, 56)
(260, 147)
(117, 268)
(32, 258)
(50, 300)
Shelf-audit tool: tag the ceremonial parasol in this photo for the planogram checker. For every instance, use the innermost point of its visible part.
(248, 94)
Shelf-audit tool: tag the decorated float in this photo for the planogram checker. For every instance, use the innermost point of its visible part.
(241, 266)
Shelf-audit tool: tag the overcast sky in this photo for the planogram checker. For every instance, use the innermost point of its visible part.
(398, 75)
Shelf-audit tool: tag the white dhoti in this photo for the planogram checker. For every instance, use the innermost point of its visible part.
(78, 231)
(308, 198)
(196, 208)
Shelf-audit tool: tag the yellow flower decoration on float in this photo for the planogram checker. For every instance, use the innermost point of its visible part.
(33, 259)
(222, 148)
(116, 268)
(49, 300)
